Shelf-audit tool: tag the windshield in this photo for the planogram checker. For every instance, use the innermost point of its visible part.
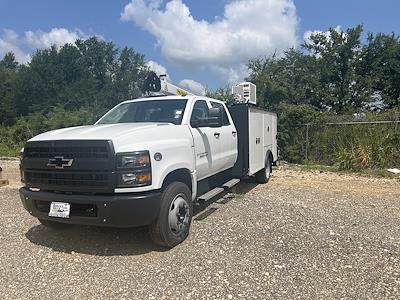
(170, 111)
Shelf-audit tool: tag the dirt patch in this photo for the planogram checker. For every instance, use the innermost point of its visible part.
(11, 171)
(336, 182)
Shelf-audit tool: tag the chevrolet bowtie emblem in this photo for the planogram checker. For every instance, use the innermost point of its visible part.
(59, 162)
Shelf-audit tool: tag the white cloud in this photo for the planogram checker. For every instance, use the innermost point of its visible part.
(157, 68)
(248, 28)
(23, 46)
(193, 86)
(11, 42)
(56, 36)
(232, 74)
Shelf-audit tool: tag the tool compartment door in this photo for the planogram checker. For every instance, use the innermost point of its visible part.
(256, 141)
(270, 134)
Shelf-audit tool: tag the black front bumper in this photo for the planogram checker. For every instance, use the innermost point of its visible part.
(116, 210)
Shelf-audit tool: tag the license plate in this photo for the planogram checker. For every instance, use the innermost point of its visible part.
(59, 209)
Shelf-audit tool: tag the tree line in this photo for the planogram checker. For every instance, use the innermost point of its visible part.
(333, 71)
(335, 76)
(91, 74)
(332, 74)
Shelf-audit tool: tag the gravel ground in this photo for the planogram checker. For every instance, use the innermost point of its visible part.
(304, 235)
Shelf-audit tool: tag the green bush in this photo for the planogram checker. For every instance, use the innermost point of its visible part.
(356, 146)
(291, 129)
(12, 138)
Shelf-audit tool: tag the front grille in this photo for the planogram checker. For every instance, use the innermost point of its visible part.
(70, 166)
(66, 152)
(67, 179)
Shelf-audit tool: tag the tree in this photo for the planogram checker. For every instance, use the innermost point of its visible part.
(8, 69)
(222, 93)
(336, 54)
(129, 74)
(265, 74)
(91, 73)
(380, 62)
(7, 96)
(9, 61)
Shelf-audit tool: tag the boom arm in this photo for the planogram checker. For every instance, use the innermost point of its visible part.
(155, 85)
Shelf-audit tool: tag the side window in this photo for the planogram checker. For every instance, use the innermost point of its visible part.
(200, 111)
(225, 119)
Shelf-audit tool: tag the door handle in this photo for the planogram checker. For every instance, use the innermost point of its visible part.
(234, 133)
(216, 134)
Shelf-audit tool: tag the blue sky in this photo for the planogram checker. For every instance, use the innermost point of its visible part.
(207, 41)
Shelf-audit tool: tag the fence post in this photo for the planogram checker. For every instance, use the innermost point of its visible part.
(307, 138)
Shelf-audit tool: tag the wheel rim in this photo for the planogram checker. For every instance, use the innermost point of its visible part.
(179, 214)
(267, 169)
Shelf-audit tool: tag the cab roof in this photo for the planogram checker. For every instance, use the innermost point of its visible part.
(172, 97)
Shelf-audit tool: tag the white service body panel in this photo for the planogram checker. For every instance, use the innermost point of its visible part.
(257, 130)
(262, 137)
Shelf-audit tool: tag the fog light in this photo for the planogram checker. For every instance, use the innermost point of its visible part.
(129, 178)
(134, 179)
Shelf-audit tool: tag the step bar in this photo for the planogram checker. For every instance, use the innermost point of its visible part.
(218, 190)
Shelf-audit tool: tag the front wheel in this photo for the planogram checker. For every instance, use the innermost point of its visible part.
(173, 223)
(264, 174)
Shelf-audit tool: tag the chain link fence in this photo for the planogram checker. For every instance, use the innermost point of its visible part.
(350, 145)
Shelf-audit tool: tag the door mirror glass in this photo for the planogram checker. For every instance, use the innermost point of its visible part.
(199, 122)
(202, 116)
(215, 117)
(199, 114)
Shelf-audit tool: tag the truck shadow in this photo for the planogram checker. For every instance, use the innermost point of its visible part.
(202, 209)
(103, 241)
(100, 241)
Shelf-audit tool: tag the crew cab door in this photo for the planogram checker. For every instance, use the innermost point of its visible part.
(207, 145)
(227, 137)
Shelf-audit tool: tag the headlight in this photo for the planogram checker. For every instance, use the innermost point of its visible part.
(134, 169)
(135, 159)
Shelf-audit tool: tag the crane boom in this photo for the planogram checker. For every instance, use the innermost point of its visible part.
(159, 85)
(169, 88)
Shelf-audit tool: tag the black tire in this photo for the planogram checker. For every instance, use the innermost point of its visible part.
(264, 174)
(54, 224)
(161, 231)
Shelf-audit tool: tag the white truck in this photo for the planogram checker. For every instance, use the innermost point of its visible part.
(146, 162)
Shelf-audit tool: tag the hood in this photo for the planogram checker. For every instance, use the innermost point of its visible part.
(124, 135)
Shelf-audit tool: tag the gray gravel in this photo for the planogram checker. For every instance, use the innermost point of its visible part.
(302, 236)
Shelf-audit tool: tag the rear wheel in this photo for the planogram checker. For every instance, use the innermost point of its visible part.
(53, 224)
(265, 174)
(173, 223)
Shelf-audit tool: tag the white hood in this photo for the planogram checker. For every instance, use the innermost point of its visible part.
(125, 136)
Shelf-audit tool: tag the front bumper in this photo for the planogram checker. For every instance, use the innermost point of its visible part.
(116, 210)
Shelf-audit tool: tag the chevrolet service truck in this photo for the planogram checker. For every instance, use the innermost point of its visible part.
(147, 160)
